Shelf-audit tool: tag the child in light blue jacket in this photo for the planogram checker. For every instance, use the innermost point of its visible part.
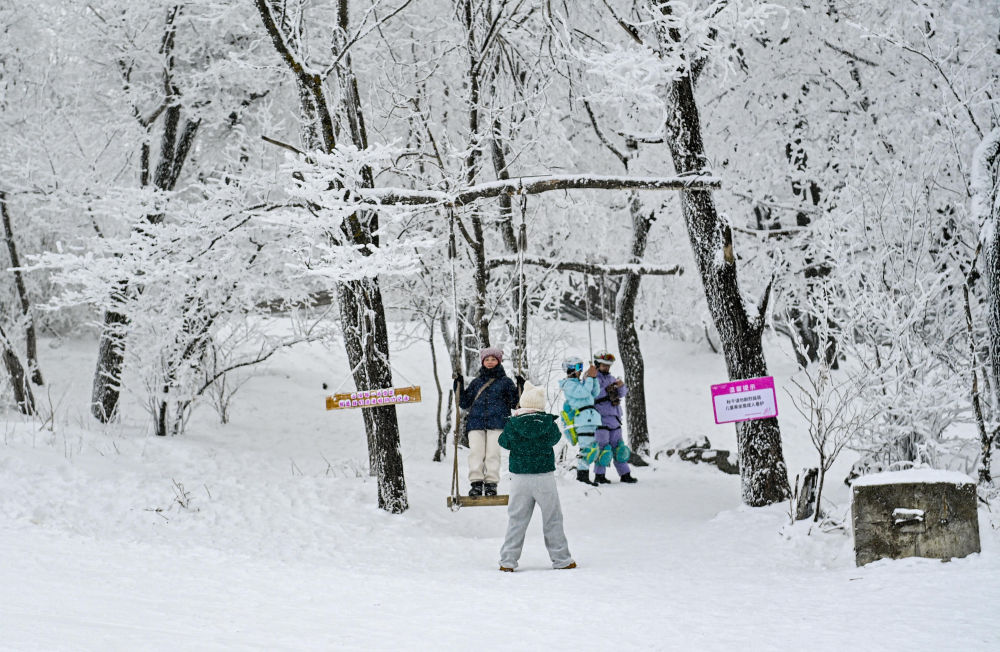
(579, 415)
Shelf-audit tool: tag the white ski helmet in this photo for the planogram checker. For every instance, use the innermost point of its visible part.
(604, 357)
(572, 363)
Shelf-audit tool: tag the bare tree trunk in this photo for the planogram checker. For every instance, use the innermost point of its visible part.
(819, 487)
(362, 311)
(23, 397)
(984, 186)
(478, 242)
(442, 429)
(628, 339)
(762, 464)
(30, 339)
(175, 144)
(366, 336)
(106, 388)
(628, 292)
(518, 325)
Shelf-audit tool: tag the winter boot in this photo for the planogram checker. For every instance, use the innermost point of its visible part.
(477, 489)
(628, 479)
(583, 475)
(491, 488)
(600, 479)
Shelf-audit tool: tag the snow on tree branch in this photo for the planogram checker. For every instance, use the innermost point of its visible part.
(588, 268)
(528, 186)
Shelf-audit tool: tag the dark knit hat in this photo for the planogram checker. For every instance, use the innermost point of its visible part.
(490, 350)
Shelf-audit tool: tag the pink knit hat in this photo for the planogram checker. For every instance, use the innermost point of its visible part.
(488, 351)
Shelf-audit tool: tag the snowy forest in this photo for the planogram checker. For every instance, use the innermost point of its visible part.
(216, 214)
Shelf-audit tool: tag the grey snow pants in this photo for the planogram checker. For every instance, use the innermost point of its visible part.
(526, 489)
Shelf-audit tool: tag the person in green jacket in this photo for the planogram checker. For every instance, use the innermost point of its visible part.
(529, 436)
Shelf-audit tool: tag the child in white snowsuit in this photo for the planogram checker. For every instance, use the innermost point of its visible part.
(529, 436)
(579, 415)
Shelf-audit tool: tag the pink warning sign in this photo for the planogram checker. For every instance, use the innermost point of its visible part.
(744, 400)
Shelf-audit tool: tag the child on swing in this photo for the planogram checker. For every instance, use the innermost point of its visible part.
(529, 436)
(579, 414)
(611, 447)
(489, 398)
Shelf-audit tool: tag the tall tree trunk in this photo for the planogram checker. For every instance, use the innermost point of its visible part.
(175, 144)
(478, 243)
(985, 187)
(23, 397)
(362, 311)
(30, 339)
(628, 338)
(628, 291)
(367, 341)
(518, 326)
(442, 429)
(762, 464)
(106, 388)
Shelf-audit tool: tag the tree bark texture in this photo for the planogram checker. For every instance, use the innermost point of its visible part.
(442, 429)
(367, 340)
(985, 187)
(30, 339)
(762, 465)
(362, 311)
(478, 244)
(23, 396)
(638, 269)
(175, 145)
(106, 388)
(628, 337)
(988, 168)
(525, 186)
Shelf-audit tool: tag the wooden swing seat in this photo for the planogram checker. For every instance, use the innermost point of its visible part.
(478, 501)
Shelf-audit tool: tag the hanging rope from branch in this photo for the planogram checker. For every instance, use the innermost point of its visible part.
(459, 345)
(604, 320)
(522, 311)
(586, 304)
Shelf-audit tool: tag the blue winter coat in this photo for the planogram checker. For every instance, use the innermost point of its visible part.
(492, 409)
(580, 393)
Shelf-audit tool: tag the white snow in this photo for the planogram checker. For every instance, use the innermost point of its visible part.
(264, 534)
(913, 475)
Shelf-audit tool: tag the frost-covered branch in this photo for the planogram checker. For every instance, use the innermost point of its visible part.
(588, 268)
(527, 186)
(360, 34)
(937, 66)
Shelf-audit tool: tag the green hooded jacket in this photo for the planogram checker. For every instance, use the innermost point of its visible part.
(530, 438)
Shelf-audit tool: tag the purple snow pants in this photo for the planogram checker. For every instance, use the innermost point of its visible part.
(607, 438)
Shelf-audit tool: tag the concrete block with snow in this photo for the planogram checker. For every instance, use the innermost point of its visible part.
(915, 513)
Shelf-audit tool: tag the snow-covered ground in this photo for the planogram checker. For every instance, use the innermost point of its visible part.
(264, 534)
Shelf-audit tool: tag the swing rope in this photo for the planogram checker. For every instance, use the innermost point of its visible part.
(604, 320)
(456, 500)
(586, 303)
(452, 255)
(522, 243)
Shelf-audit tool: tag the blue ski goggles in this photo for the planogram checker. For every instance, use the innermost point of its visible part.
(578, 367)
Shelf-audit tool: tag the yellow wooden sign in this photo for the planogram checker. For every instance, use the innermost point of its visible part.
(374, 398)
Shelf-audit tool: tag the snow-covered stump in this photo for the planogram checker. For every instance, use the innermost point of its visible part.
(918, 513)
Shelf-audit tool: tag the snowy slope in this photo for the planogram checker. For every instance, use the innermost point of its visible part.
(263, 534)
